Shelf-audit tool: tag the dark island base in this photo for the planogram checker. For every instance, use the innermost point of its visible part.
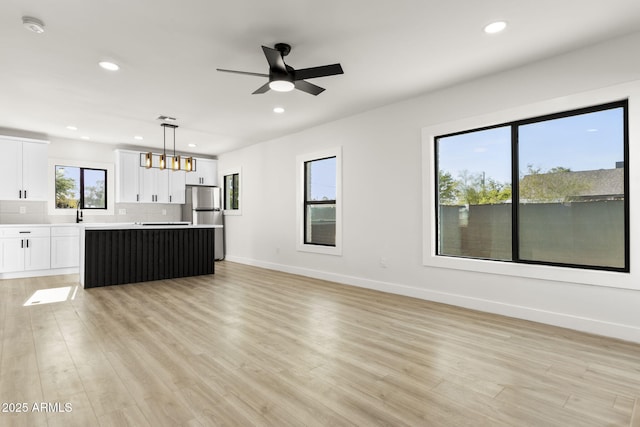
(115, 257)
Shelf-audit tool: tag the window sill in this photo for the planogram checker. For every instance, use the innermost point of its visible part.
(318, 249)
(541, 272)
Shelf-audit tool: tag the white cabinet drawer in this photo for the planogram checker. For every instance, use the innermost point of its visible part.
(10, 232)
(65, 230)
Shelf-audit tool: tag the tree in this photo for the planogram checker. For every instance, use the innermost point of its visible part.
(65, 191)
(447, 188)
(94, 195)
(555, 185)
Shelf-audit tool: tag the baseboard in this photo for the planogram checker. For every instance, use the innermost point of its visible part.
(39, 273)
(583, 324)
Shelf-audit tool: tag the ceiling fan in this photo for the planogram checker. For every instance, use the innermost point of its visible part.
(283, 78)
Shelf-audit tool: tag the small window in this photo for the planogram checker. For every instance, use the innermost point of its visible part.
(320, 202)
(80, 188)
(232, 191)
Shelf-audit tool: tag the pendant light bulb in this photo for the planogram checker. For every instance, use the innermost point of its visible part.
(148, 160)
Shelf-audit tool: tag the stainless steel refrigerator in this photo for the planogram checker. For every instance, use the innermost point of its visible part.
(203, 205)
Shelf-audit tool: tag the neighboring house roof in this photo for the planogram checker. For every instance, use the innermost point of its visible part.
(601, 184)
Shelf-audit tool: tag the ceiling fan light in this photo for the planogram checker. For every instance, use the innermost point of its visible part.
(281, 85)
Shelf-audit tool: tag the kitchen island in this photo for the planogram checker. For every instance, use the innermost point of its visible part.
(115, 254)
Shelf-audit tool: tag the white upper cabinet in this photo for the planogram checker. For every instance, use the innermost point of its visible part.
(206, 173)
(135, 183)
(24, 171)
(177, 186)
(127, 176)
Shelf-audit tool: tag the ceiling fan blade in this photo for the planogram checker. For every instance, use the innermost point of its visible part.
(243, 72)
(322, 71)
(308, 87)
(262, 89)
(274, 58)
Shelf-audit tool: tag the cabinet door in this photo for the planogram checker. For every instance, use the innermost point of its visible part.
(34, 171)
(208, 170)
(162, 185)
(65, 251)
(127, 176)
(11, 255)
(11, 170)
(37, 253)
(193, 178)
(177, 187)
(147, 184)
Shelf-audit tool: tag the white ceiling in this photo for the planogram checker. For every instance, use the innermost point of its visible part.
(169, 51)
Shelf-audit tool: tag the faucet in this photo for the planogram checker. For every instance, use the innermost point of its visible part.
(78, 216)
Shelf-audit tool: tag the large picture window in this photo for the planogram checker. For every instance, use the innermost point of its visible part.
(550, 190)
(80, 188)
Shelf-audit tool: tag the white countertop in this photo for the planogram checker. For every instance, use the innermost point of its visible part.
(40, 225)
(145, 226)
(117, 225)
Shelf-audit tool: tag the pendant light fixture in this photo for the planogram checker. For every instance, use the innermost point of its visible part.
(148, 160)
(188, 164)
(163, 156)
(176, 160)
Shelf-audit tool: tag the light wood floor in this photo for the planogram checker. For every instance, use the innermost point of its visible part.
(249, 346)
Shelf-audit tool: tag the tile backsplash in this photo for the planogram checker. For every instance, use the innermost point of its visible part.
(23, 212)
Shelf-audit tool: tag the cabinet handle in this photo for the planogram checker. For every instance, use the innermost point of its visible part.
(19, 194)
(170, 197)
(25, 194)
(137, 197)
(27, 243)
(22, 244)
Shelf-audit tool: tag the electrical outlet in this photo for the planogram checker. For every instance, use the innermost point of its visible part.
(164, 211)
(23, 209)
(383, 262)
(122, 211)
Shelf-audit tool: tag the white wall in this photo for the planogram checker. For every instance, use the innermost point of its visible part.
(383, 197)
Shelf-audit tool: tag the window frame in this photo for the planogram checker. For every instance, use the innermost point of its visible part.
(515, 181)
(109, 186)
(535, 272)
(223, 175)
(308, 203)
(81, 191)
(302, 202)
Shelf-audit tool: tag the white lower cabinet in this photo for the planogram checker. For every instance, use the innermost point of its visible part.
(25, 249)
(65, 247)
(39, 250)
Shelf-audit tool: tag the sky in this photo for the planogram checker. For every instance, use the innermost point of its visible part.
(323, 179)
(585, 142)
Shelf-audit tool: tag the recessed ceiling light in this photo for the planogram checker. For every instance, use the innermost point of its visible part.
(495, 27)
(278, 110)
(109, 65)
(84, 137)
(72, 127)
(33, 24)
(138, 137)
(192, 145)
